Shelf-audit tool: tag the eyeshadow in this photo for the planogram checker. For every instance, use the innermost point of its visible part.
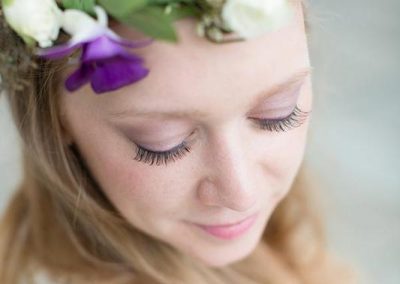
(280, 104)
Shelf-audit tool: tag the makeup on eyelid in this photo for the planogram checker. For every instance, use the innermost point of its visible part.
(283, 95)
(169, 141)
(283, 100)
(274, 113)
(155, 142)
(146, 155)
(280, 104)
(277, 106)
(161, 145)
(150, 130)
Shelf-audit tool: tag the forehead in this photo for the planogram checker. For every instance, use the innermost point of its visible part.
(197, 74)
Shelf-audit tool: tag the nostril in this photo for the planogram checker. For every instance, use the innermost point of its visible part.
(240, 203)
(230, 188)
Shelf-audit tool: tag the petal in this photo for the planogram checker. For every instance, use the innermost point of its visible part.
(133, 44)
(79, 77)
(58, 51)
(75, 22)
(126, 42)
(118, 72)
(75, 42)
(101, 48)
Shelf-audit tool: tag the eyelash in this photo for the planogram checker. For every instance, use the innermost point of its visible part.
(151, 157)
(293, 120)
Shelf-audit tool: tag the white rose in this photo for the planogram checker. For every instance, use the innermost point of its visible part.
(34, 20)
(251, 18)
(81, 26)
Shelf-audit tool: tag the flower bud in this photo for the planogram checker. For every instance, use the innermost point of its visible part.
(34, 20)
(251, 18)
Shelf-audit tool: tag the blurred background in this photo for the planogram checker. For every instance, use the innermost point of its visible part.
(354, 143)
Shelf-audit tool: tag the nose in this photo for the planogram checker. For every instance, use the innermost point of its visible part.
(229, 181)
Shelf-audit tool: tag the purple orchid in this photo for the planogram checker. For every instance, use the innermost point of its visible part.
(105, 61)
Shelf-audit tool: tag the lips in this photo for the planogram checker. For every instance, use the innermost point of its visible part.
(230, 231)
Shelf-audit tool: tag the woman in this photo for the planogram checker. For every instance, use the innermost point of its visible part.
(189, 173)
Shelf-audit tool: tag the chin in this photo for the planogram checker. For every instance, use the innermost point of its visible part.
(225, 260)
(226, 256)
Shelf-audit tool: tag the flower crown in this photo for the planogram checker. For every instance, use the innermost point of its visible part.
(105, 58)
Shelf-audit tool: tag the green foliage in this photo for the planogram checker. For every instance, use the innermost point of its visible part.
(120, 8)
(169, 2)
(83, 5)
(6, 2)
(153, 21)
(154, 18)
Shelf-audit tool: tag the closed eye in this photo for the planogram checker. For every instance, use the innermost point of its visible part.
(293, 120)
(161, 157)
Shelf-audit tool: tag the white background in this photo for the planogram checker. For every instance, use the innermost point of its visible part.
(355, 139)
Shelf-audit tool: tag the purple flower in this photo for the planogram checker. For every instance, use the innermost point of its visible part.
(105, 61)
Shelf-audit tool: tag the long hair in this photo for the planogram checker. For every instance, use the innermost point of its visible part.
(60, 223)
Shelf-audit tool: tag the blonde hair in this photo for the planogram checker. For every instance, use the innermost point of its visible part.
(59, 221)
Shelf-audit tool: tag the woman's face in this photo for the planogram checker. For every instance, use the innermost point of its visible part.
(210, 99)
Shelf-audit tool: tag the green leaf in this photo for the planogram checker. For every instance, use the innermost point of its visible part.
(162, 2)
(83, 5)
(183, 12)
(121, 8)
(152, 21)
(6, 3)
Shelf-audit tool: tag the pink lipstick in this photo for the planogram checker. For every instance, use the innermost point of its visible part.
(230, 231)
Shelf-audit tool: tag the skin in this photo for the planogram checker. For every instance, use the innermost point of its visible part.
(234, 168)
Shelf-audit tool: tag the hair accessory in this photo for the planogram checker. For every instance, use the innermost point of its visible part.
(105, 59)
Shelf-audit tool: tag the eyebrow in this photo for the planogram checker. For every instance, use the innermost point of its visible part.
(275, 89)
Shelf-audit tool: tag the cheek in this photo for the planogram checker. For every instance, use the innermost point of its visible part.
(134, 186)
(284, 151)
(282, 160)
